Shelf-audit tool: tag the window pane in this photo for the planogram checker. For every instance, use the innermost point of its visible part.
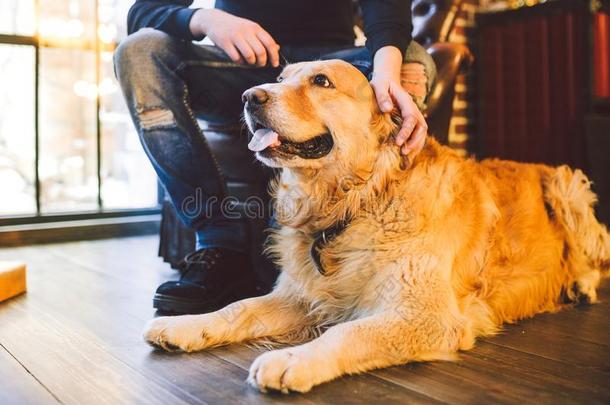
(128, 180)
(17, 126)
(17, 17)
(68, 158)
(113, 19)
(67, 22)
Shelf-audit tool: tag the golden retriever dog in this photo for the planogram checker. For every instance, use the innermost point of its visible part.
(385, 260)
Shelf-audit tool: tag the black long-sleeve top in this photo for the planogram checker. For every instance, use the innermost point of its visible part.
(290, 22)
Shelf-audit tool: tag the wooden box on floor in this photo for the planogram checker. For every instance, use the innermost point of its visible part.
(12, 279)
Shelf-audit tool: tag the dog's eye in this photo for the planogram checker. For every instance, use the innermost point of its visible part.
(321, 80)
(279, 79)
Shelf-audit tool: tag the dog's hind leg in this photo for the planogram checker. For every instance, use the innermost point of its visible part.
(249, 319)
(587, 243)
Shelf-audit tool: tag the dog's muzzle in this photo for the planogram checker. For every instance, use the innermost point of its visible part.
(268, 143)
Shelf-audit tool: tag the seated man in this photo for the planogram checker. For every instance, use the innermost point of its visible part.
(167, 81)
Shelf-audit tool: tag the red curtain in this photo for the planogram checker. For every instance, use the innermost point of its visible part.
(532, 87)
(601, 55)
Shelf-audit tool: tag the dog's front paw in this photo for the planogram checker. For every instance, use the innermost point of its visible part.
(174, 333)
(283, 370)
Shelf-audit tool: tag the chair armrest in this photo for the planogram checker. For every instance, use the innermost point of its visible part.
(450, 60)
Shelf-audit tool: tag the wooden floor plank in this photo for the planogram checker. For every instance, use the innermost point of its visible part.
(75, 370)
(110, 326)
(511, 378)
(586, 323)
(578, 382)
(129, 259)
(558, 347)
(19, 387)
(484, 379)
(448, 384)
(363, 388)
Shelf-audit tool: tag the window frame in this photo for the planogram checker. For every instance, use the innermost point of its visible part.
(39, 217)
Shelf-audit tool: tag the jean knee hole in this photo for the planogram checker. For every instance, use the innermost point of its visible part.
(155, 118)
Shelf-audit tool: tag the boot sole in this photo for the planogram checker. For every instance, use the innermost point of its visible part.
(172, 305)
(175, 305)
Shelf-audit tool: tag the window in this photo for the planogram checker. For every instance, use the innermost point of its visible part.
(67, 144)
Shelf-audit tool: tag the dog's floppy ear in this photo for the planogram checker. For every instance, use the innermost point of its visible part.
(386, 125)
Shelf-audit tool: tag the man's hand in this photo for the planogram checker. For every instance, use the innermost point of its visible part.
(241, 39)
(386, 83)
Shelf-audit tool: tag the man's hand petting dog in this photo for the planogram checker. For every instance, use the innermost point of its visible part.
(389, 93)
(244, 41)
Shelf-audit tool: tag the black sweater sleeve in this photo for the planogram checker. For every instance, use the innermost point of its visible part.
(170, 16)
(387, 22)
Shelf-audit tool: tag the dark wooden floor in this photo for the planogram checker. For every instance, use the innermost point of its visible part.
(75, 338)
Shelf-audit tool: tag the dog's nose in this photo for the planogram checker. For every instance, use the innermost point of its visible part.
(255, 96)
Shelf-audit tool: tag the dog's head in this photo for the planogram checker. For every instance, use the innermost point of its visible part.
(318, 115)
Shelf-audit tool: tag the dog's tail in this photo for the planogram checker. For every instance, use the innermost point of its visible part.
(587, 243)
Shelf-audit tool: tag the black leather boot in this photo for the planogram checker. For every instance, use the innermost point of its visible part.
(211, 279)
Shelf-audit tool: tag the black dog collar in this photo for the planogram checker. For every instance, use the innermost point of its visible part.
(321, 239)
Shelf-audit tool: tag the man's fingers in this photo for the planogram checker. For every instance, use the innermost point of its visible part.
(416, 141)
(418, 137)
(245, 50)
(405, 102)
(271, 46)
(232, 52)
(412, 135)
(259, 50)
(413, 120)
(408, 125)
(409, 119)
(382, 94)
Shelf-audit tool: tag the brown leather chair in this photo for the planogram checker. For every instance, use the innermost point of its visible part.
(433, 21)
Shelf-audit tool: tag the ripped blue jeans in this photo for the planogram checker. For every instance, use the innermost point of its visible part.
(168, 83)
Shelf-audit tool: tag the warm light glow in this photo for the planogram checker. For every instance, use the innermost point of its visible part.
(60, 28)
(107, 56)
(107, 86)
(91, 91)
(107, 33)
(85, 89)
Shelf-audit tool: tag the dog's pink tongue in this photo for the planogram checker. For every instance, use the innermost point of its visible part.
(262, 139)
